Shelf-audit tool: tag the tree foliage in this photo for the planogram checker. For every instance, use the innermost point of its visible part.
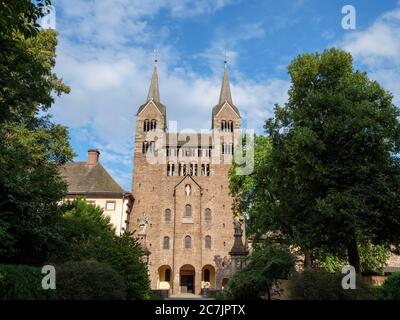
(267, 264)
(330, 180)
(318, 284)
(21, 282)
(87, 234)
(390, 290)
(89, 280)
(32, 147)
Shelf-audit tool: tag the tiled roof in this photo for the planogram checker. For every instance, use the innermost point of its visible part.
(83, 178)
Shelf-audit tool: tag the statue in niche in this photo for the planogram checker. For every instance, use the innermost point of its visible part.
(188, 190)
(143, 223)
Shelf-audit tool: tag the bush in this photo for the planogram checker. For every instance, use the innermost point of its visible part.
(267, 264)
(88, 235)
(89, 280)
(318, 284)
(390, 290)
(20, 282)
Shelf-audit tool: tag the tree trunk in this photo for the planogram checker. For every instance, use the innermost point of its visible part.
(353, 255)
(269, 294)
(307, 259)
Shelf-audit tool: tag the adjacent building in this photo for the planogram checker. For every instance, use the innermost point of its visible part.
(91, 181)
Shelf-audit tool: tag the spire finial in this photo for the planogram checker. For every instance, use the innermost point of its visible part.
(155, 56)
(154, 92)
(225, 59)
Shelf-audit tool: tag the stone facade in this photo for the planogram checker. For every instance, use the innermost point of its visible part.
(183, 211)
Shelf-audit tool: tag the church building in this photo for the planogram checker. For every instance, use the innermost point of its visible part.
(182, 212)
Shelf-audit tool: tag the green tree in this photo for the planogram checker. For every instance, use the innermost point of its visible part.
(89, 280)
(267, 264)
(87, 234)
(32, 147)
(330, 180)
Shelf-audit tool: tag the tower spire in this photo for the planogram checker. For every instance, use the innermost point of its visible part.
(225, 94)
(154, 91)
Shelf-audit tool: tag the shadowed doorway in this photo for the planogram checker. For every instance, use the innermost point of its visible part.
(187, 278)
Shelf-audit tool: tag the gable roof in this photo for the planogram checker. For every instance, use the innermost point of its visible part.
(83, 178)
(159, 106)
(219, 106)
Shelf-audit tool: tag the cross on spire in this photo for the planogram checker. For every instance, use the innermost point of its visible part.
(225, 59)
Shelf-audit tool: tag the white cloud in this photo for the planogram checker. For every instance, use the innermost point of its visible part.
(109, 75)
(378, 48)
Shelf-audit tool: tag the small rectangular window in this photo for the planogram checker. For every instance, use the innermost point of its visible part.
(110, 206)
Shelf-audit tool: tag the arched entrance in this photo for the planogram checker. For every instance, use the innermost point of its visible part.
(164, 277)
(187, 278)
(208, 276)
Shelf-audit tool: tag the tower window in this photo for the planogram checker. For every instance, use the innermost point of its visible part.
(207, 242)
(167, 215)
(182, 169)
(166, 243)
(207, 215)
(146, 125)
(147, 146)
(193, 169)
(153, 125)
(170, 169)
(230, 126)
(188, 242)
(188, 211)
(205, 169)
(223, 125)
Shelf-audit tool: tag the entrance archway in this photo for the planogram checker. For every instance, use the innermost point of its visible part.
(164, 277)
(208, 276)
(187, 278)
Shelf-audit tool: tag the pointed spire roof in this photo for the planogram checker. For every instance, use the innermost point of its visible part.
(154, 91)
(225, 94)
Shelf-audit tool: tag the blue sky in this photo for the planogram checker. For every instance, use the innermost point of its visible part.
(105, 56)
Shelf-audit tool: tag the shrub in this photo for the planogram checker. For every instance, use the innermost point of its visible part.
(20, 282)
(390, 290)
(318, 284)
(88, 235)
(89, 280)
(267, 264)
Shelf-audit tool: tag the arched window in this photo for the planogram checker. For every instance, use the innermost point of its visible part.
(182, 169)
(188, 242)
(223, 125)
(230, 125)
(188, 211)
(153, 125)
(146, 125)
(167, 215)
(170, 169)
(207, 215)
(166, 243)
(168, 275)
(206, 275)
(207, 242)
(205, 169)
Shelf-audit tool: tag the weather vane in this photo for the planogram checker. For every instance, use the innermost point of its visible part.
(155, 56)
